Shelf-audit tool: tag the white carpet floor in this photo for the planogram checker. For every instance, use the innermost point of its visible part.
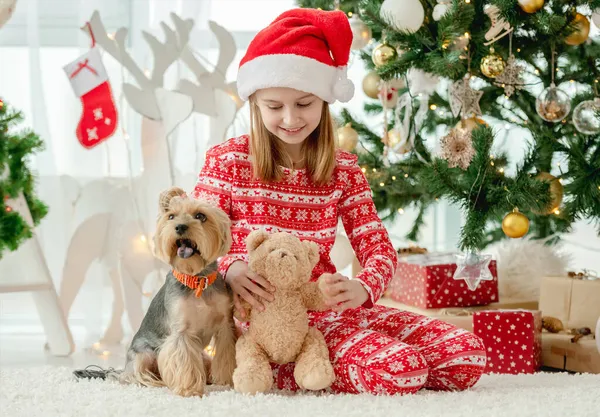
(51, 391)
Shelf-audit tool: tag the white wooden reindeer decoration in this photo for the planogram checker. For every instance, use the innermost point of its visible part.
(116, 220)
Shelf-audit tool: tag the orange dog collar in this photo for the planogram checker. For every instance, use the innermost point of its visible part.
(196, 282)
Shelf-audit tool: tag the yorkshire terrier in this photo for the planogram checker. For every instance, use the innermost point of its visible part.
(193, 306)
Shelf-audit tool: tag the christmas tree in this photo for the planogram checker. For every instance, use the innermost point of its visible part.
(465, 73)
(16, 178)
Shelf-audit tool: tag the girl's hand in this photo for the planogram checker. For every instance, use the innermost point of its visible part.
(343, 293)
(247, 285)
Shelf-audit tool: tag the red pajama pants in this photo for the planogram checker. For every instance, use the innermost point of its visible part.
(386, 351)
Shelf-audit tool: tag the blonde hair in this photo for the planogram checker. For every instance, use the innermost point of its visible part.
(269, 153)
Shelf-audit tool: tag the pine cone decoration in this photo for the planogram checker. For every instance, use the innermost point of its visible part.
(552, 324)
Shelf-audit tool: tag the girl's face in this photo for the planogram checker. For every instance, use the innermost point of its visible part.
(289, 114)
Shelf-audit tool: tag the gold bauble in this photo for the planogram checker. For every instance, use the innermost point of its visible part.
(396, 142)
(492, 65)
(371, 84)
(384, 54)
(531, 6)
(556, 192)
(347, 138)
(582, 30)
(515, 224)
(470, 123)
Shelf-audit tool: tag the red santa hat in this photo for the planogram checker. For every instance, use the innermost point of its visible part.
(304, 49)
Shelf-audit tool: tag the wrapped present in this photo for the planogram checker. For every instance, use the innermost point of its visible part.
(426, 281)
(458, 316)
(512, 339)
(570, 305)
(574, 301)
(560, 352)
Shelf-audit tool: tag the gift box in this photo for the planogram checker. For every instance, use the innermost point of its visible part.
(512, 339)
(560, 352)
(575, 301)
(458, 316)
(426, 281)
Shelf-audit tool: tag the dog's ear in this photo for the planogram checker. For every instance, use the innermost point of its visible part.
(224, 224)
(165, 197)
(255, 239)
(312, 249)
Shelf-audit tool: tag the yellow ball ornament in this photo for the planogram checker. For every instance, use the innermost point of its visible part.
(492, 65)
(515, 224)
(384, 54)
(531, 6)
(396, 142)
(347, 138)
(556, 192)
(580, 35)
(371, 84)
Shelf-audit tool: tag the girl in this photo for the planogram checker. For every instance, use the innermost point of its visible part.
(287, 176)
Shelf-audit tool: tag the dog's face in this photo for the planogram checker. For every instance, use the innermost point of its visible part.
(191, 234)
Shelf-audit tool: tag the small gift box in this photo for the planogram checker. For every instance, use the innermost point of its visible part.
(574, 301)
(512, 339)
(426, 281)
(460, 317)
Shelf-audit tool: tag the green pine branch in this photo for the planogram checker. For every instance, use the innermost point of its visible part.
(15, 178)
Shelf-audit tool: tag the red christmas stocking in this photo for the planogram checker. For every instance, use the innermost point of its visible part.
(90, 82)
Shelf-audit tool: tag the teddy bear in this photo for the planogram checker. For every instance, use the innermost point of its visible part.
(281, 334)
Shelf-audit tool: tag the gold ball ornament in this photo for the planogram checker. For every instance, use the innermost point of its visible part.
(492, 65)
(531, 6)
(556, 192)
(396, 142)
(347, 138)
(384, 54)
(580, 35)
(515, 224)
(371, 84)
(470, 123)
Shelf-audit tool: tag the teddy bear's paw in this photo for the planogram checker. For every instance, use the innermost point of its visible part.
(319, 376)
(247, 382)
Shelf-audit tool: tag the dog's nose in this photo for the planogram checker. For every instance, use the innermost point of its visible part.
(181, 228)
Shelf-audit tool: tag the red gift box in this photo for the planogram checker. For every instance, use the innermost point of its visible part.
(426, 281)
(512, 339)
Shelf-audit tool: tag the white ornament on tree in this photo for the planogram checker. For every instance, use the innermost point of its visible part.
(586, 117)
(403, 15)
(421, 82)
(440, 10)
(500, 27)
(361, 33)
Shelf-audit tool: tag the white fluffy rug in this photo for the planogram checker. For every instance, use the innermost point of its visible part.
(51, 391)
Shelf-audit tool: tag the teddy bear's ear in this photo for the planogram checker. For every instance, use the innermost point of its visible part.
(255, 239)
(312, 250)
(165, 197)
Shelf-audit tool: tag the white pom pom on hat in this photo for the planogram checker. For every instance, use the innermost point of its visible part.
(304, 49)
